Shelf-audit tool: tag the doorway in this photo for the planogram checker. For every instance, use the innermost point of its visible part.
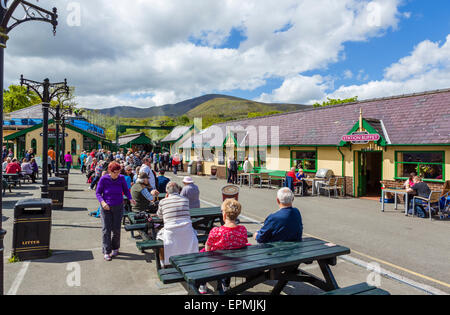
(370, 167)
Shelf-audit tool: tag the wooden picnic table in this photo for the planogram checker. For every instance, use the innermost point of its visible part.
(273, 261)
(12, 179)
(202, 218)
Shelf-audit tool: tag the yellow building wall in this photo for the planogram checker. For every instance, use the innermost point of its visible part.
(329, 157)
(36, 134)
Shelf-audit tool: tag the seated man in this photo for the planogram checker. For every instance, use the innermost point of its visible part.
(295, 181)
(162, 181)
(421, 189)
(285, 225)
(178, 234)
(143, 197)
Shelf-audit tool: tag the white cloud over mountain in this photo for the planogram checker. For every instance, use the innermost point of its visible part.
(142, 53)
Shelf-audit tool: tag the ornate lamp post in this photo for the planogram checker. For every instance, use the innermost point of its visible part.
(46, 92)
(59, 114)
(8, 21)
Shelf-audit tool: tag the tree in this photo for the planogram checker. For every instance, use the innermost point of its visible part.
(332, 101)
(18, 97)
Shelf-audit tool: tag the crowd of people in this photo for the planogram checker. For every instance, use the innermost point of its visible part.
(27, 167)
(120, 178)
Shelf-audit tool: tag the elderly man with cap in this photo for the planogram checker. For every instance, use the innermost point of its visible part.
(141, 194)
(191, 192)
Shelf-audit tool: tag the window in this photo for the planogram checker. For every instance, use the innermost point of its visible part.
(262, 158)
(34, 145)
(221, 156)
(306, 160)
(73, 146)
(427, 164)
(187, 155)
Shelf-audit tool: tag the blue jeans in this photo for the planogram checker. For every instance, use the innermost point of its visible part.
(68, 164)
(419, 208)
(95, 181)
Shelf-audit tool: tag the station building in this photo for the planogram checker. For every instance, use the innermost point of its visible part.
(370, 143)
(23, 130)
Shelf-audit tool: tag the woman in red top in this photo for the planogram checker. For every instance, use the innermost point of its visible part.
(13, 167)
(228, 236)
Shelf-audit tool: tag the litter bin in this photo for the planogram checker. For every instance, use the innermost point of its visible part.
(213, 170)
(199, 168)
(189, 169)
(64, 173)
(56, 187)
(32, 225)
(230, 191)
(193, 168)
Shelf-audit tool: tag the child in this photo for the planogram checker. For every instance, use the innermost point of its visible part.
(228, 236)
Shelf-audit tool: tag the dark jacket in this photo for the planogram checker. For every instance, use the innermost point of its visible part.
(282, 226)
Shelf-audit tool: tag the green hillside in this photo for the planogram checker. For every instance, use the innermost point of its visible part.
(237, 108)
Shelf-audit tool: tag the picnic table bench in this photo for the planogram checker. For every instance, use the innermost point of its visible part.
(358, 289)
(12, 179)
(278, 261)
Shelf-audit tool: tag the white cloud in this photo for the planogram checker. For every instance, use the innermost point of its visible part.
(125, 47)
(348, 74)
(299, 89)
(426, 68)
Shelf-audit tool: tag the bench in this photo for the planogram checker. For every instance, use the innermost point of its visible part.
(358, 289)
(170, 275)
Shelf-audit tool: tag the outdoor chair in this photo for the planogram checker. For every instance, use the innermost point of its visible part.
(432, 202)
(340, 185)
(289, 183)
(264, 178)
(331, 185)
(444, 206)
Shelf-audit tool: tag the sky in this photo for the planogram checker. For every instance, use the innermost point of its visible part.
(146, 53)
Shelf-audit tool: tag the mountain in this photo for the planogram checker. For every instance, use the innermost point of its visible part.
(177, 109)
(238, 108)
(207, 105)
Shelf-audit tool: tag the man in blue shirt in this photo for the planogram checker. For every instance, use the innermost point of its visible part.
(162, 181)
(282, 226)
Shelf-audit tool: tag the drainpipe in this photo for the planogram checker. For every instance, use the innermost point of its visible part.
(343, 165)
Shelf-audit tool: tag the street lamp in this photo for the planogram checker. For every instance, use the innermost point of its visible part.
(59, 114)
(46, 92)
(8, 21)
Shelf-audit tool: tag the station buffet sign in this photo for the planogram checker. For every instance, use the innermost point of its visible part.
(361, 137)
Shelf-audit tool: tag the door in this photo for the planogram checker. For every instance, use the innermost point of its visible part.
(362, 174)
(369, 173)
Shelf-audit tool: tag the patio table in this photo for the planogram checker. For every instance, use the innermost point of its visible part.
(396, 192)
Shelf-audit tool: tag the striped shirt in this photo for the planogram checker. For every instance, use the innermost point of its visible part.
(174, 209)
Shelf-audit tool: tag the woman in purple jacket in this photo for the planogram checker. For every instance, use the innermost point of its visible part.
(110, 191)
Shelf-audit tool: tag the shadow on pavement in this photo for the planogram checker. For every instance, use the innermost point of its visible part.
(67, 256)
(71, 209)
(128, 256)
(76, 226)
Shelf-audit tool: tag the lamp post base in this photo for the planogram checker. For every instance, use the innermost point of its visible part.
(44, 192)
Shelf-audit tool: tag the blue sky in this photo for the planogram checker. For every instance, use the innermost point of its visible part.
(274, 51)
(429, 20)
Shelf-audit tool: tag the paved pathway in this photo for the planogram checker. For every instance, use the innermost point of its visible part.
(421, 247)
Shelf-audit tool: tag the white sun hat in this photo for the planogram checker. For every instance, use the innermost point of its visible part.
(188, 180)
